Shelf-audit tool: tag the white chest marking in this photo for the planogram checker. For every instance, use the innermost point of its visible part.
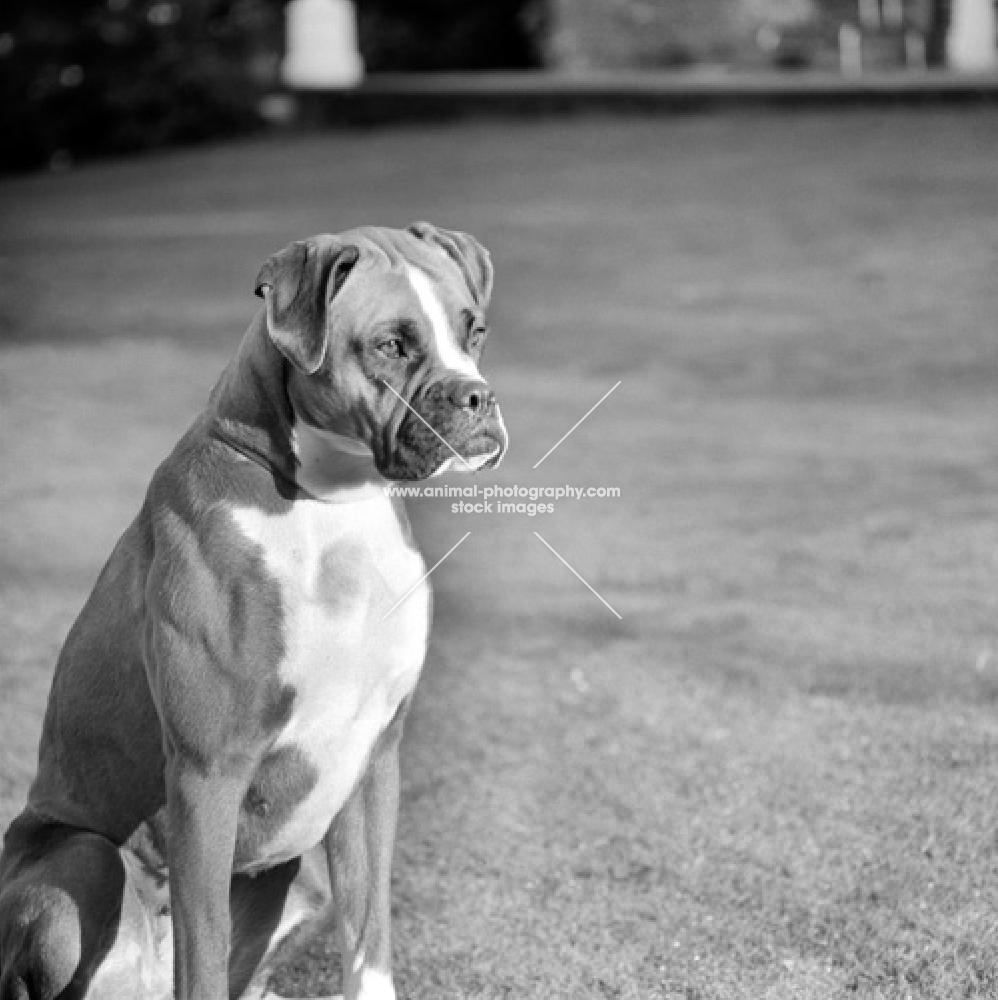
(339, 568)
(450, 355)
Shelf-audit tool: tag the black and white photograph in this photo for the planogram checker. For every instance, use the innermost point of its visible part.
(499, 500)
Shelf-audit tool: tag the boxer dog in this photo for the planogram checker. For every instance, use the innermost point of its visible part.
(219, 757)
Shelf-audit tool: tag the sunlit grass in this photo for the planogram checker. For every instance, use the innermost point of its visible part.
(774, 777)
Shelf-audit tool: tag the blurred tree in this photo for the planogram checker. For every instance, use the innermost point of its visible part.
(82, 77)
(427, 35)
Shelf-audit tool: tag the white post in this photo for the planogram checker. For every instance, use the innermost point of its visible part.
(322, 51)
(850, 50)
(970, 41)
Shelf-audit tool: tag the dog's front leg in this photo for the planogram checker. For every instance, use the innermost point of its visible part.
(359, 847)
(202, 811)
(206, 687)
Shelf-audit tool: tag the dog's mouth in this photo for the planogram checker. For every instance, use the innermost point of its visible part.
(487, 444)
(434, 443)
(483, 451)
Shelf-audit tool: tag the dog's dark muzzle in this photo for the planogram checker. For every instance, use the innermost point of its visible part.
(454, 419)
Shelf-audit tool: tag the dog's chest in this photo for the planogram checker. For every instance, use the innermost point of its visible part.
(349, 657)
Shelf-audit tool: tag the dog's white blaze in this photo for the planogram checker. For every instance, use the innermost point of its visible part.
(450, 355)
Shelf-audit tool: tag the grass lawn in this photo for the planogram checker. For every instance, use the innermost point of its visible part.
(774, 777)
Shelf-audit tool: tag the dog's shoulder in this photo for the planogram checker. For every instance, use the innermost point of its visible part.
(191, 505)
(210, 587)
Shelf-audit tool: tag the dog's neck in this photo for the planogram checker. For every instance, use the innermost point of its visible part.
(250, 410)
(334, 467)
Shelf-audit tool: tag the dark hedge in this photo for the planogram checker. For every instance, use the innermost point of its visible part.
(84, 78)
(436, 35)
(81, 78)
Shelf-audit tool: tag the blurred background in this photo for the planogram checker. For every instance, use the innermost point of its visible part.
(773, 778)
(86, 77)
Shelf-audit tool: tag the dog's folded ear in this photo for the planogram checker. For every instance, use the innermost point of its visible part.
(298, 284)
(469, 255)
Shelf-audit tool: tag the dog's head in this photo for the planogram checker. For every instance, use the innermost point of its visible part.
(384, 331)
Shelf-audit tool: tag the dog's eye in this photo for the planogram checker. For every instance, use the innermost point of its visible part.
(475, 331)
(393, 348)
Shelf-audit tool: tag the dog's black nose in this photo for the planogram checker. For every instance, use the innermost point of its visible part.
(472, 395)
